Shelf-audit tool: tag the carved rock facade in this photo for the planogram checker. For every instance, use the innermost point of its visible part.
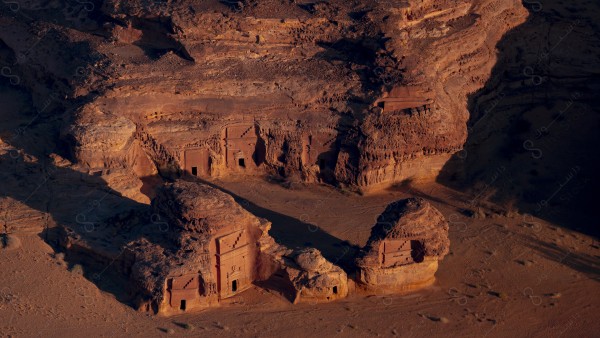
(404, 248)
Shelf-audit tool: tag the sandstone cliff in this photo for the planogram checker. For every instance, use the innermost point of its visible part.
(300, 91)
(534, 123)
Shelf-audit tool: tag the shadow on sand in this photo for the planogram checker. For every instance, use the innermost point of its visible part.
(294, 233)
(532, 134)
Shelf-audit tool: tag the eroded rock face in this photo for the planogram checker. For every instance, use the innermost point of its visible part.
(304, 275)
(407, 242)
(306, 92)
(196, 248)
(523, 165)
(215, 252)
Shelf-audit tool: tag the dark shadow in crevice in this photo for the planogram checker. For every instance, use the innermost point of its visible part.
(233, 5)
(158, 38)
(361, 57)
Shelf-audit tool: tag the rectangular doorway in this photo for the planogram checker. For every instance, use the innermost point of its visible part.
(233, 264)
(197, 162)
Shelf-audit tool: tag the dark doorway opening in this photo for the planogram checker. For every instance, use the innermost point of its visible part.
(182, 305)
(242, 162)
(417, 251)
(195, 171)
(234, 286)
(335, 290)
(260, 151)
(321, 163)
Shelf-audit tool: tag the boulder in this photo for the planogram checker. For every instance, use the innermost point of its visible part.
(304, 275)
(404, 248)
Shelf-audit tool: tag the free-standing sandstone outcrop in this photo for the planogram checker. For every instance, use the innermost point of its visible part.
(318, 279)
(214, 252)
(196, 248)
(219, 250)
(404, 248)
(304, 275)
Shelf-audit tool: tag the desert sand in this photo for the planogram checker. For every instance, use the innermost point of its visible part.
(504, 276)
(307, 119)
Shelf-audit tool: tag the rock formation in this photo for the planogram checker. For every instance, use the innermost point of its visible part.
(404, 248)
(318, 279)
(214, 248)
(196, 248)
(274, 87)
(545, 102)
(306, 276)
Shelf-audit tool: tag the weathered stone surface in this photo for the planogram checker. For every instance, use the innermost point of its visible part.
(317, 279)
(126, 183)
(272, 87)
(402, 278)
(404, 248)
(306, 276)
(214, 250)
(196, 248)
(200, 208)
